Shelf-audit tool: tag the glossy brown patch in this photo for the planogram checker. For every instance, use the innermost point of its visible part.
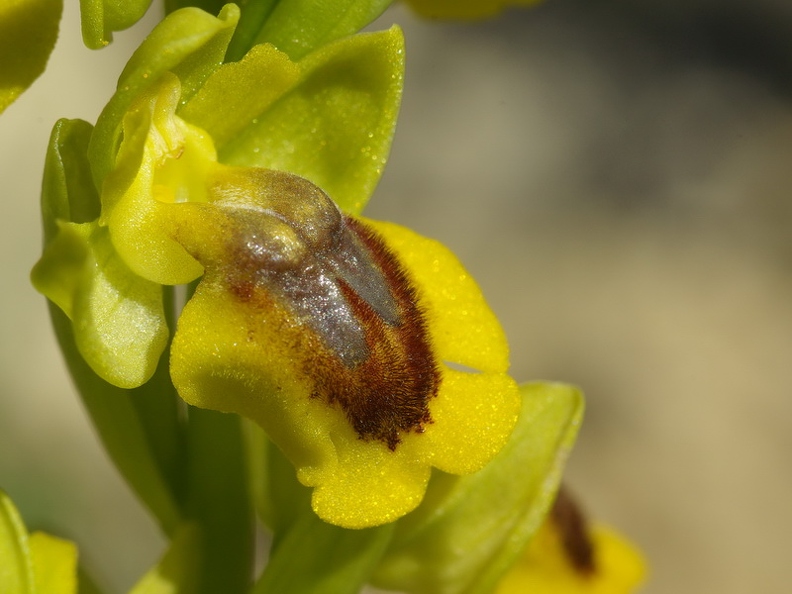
(573, 528)
(349, 312)
(388, 394)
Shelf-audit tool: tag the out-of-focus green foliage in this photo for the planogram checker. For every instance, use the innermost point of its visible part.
(28, 31)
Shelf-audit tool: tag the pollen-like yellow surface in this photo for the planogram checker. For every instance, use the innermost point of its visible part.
(464, 330)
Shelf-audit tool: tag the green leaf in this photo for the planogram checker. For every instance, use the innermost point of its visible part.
(298, 27)
(190, 43)
(469, 530)
(314, 557)
(318, 558)
(210, 6)
(54, 564)
(333, 125)
(178, 570)
(16, 568)
(464, 9)
(28, 31)
(101, 17)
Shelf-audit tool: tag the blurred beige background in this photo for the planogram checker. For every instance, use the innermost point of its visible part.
(618, 180)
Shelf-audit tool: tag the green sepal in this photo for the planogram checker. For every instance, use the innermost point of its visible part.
(333, 124)
(318, 558)
(298, 27)
(33, 563)
(118, 317)
(58, 275)
(100, 18)
(469, 530)
(308, 555)
(28, 31)
(190, 43)
(177, 570)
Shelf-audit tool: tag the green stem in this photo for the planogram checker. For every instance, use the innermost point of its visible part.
(219, 501)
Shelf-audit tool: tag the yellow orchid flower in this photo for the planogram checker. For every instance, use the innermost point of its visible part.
(342, 337)
(364, 351)
(568, 557)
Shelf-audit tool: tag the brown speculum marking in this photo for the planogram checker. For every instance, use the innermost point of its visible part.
(332, 280)
(388, 393)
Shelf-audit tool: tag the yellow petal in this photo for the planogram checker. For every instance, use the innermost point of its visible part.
(464, 329)
(474, 414)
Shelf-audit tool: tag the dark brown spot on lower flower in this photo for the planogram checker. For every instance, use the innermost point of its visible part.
(573, 528)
